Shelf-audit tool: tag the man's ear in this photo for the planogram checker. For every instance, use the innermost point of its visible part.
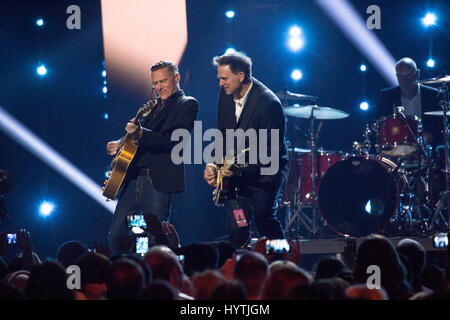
(177, 78)
(417, 74)
(241, 76)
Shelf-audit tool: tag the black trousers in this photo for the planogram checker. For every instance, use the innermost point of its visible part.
(139, 197)
(260, 204)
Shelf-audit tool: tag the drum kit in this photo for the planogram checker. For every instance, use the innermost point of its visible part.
(381, 186)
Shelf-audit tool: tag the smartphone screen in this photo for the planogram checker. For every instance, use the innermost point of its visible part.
(141, 245)
(136, 221)
(277, 245)
(12, 238)
(440, 241)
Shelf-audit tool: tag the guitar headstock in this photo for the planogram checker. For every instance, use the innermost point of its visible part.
(146, 108)
(237, 159)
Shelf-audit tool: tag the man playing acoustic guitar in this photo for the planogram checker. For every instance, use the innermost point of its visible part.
(152, 177)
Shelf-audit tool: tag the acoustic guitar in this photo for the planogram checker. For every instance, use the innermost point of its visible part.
(222, 183)
(125, 154)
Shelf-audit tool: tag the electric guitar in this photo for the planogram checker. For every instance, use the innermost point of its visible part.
(222, 183)
(125, 154)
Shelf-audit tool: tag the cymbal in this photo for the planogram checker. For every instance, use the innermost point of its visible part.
(287, 95)
(436, 113)
(436, 80)
(321, 113)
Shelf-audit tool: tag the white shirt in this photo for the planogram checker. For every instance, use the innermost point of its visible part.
(240, 103)
(413, 106)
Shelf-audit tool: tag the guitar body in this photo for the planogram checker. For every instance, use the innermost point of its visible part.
(221, 191)
(119, 167)
(121, 162)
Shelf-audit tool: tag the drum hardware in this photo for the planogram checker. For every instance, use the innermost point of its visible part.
(363, 149)
(418, 140)
(311, 112)
(443, 201)
(414, 204)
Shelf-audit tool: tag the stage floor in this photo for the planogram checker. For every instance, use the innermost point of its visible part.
(336, 245)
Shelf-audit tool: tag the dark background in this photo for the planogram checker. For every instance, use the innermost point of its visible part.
(66, 107)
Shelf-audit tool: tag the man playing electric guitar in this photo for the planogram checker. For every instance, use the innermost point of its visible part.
(152, 177)
(245, 103)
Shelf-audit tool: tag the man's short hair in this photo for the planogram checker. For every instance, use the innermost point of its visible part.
(407, 61)
(237, 61)
(165, 64)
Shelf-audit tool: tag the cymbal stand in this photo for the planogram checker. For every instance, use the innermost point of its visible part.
(309, 223)
(424, 155)
(313, 146)
(444, 103)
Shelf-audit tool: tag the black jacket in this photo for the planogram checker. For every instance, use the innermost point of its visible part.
(391, 97)
(262, 110)
(155, 146)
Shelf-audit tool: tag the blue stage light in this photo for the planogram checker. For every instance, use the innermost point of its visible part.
(46, 208)
(363, 68)
(295, 31)
(431, 63)
(105, 89)
(295, 44)
(104, 73)
(230, 50)
(41, 70)
(296, 74)
(106, 116)
(295, 40)
(230, 14)
(364, 106)
(40, 22)
(429, 19)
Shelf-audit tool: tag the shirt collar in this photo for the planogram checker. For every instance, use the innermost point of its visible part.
(242, 100)
(417, 95)
(172, 98)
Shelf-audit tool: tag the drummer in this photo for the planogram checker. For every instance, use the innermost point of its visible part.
(415, 98)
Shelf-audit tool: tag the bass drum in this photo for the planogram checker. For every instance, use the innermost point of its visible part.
(359, 196)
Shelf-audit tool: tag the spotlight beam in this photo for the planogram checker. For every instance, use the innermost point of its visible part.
(348, 20)
(18, 132)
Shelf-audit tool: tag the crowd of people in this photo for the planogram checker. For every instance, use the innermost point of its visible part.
(218, 271)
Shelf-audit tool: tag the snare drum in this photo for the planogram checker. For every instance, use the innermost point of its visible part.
(395, 139)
